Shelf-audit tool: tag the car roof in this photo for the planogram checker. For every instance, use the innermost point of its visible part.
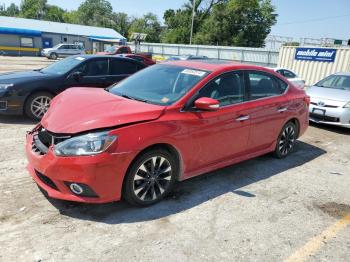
(109, 56)
(342, 73)
(213, 65)
(87, 56)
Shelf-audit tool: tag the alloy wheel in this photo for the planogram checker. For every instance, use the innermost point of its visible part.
(152, 178)
(287, 140)
(40, 105)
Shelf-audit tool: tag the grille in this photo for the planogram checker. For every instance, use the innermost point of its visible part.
(329, 106)
(46, 180)
(3, 105)
(43, 139)
(324, 118)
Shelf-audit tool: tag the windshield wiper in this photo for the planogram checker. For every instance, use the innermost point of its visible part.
(133, 98)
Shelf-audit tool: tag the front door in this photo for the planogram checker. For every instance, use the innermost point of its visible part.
(219, 135)
(94, 73)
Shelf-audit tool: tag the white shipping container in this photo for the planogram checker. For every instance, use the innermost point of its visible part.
(313, 71)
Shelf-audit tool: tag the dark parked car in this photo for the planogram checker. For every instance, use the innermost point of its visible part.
(30, 92)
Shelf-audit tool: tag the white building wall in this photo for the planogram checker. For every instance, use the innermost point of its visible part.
(313, 71)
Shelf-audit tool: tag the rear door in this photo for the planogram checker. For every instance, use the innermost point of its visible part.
(120, 68)
(268, 108)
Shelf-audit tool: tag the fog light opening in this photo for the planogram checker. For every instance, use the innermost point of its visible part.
(76, 189)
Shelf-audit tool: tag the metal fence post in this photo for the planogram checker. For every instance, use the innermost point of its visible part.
(242, 56)
(268, 58)
(218, 53)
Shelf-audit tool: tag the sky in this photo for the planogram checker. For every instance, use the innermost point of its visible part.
(296, 18)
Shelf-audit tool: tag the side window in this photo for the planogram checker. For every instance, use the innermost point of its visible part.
(289, 74)
(123, 50)
(263, 85)
(280, 72)
(121, 67)
(27, 42)
(282, 85)
(228, 89)
(63, 47)
(96, 68)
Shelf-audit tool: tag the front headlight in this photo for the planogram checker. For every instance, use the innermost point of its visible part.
(85, 145)
(4, 87)
(347, 105)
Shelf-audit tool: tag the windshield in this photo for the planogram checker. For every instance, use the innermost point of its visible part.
(63, 66)
(56, 46)
(336, 81)
(111, 49)
(159, 84)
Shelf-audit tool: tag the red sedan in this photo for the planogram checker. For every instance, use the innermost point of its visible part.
(166, 123)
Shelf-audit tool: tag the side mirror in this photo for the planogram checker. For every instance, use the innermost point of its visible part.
(77, 76)
(207, 104)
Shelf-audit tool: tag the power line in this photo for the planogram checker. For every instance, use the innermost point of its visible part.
(313, 20)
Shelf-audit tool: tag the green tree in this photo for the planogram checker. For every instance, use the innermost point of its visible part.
(149, 25)
(34, 9)
(122, 23)
(221, 22)
(239, 23)
(54, 13)
(178, 22)
(95, 13)
(12, 10)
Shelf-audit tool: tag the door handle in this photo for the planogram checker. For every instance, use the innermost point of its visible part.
(282, 109)
(242, 118)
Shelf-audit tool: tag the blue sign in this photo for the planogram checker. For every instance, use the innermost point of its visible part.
(315, 54)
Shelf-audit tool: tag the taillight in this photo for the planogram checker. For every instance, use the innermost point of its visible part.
(307, 100)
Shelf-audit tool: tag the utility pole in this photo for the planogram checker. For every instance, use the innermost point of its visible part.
(193, 14)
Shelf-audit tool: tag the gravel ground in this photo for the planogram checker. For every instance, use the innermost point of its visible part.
(263, 209)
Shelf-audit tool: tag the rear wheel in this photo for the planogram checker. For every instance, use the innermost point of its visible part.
(37, 104)
(286, 140)
(150, 178)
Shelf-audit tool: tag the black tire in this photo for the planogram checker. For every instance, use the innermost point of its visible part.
(286, 140)
(29, 108)
(144, 188)
(53, 56)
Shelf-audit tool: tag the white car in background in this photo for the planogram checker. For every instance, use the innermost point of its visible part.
(63, 50)
(330, 100)
(291, 76)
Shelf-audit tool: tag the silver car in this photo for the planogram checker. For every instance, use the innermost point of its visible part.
(330, 100)
(62, 50)
(291, 76)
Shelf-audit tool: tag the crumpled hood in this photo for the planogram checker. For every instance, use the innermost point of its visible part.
(328, 93)
(81, 109)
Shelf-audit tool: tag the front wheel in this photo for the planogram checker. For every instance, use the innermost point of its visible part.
(150, 177)
(53, 56)
(286, 140)
(37, 104)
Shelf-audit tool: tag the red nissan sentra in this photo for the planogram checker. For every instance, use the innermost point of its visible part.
(166, 123)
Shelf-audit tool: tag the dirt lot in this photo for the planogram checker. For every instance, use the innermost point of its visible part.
(260, 210)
